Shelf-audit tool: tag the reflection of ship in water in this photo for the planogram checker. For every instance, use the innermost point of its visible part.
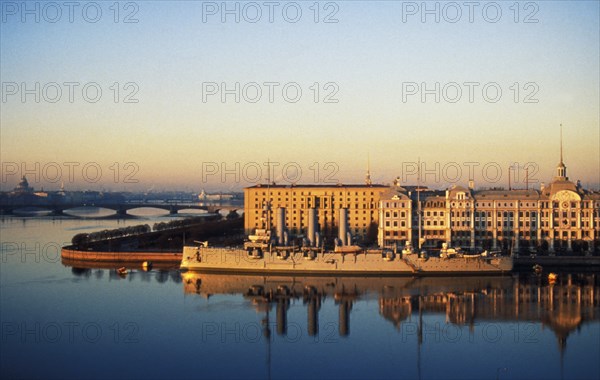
(267, 291)
(563, 307)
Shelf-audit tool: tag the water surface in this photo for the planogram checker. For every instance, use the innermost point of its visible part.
(89, 322)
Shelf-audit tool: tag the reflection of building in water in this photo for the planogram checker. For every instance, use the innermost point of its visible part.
(396, 310)
(563, 306)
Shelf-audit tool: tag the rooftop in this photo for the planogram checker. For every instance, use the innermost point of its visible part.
(317, 186)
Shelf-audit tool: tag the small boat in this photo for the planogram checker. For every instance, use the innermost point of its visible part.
(147, 265)
(537, 269)
(122, 271)
(552, 277)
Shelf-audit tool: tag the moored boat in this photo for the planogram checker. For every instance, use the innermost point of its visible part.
(277, 252)
(262, 256)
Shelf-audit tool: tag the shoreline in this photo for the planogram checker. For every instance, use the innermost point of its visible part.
(69, 253)
(558, 261)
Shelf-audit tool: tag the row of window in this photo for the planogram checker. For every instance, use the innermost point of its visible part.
(264, 193)
(483, 224)
(584, 204)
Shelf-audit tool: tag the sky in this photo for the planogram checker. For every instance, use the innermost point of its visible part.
(195, 95)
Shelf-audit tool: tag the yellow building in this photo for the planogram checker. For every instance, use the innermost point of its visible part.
(361, 201)
(561, 216)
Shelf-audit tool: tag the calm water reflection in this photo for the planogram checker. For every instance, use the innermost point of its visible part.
(75, 320)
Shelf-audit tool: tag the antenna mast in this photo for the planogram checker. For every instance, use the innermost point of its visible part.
(368, 177)
(419, 199)
(268, 194)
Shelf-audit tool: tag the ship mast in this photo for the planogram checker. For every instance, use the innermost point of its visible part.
(419, 200)
(268, 205)
(368, 180)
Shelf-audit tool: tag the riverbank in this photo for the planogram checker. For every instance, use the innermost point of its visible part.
(558, 261)
(69, 253)
(163, 245)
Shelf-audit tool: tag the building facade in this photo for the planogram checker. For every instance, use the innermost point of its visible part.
(560, 216)
(361, 201)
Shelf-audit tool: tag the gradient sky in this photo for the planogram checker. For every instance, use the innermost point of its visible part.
(171, 134)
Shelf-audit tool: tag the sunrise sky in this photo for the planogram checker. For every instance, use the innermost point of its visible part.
(368, 67)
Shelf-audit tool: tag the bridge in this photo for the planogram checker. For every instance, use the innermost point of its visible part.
(120, 208)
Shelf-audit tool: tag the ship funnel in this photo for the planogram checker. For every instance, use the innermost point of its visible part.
(343, 227)
(312, 226)
(280, 226)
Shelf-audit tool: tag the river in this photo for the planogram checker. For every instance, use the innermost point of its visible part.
(64, 322)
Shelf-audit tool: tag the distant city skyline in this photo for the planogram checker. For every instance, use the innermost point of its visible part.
(234, 177)
(331, 85)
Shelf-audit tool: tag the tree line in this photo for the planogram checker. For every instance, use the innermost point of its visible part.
(99, 236)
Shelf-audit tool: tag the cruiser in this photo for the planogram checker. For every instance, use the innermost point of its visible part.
(268, 253)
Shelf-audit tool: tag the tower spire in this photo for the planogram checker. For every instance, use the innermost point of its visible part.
(561, 169)
(561, 144)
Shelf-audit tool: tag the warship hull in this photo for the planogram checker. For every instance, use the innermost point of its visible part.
(362, 263)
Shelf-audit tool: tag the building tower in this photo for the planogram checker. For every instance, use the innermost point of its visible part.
(561, 169)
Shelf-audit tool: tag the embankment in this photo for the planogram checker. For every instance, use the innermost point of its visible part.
(70, 253)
